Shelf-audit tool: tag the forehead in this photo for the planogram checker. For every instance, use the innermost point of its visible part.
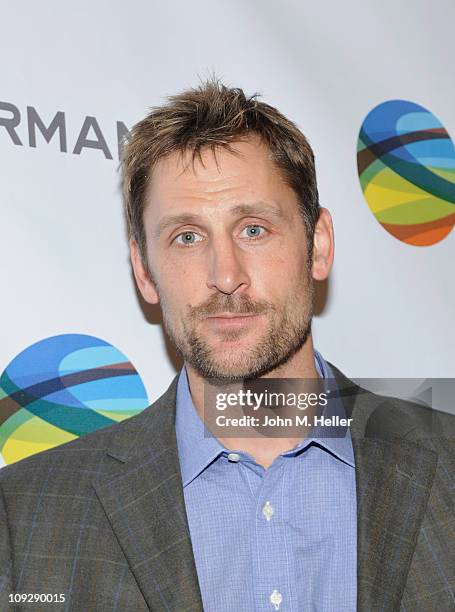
(246, 173)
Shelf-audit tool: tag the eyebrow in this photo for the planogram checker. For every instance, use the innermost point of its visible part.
(256, 209)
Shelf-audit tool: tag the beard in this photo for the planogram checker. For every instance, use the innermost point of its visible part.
(287, 331)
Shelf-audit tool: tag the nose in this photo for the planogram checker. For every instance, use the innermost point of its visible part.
(227, 271)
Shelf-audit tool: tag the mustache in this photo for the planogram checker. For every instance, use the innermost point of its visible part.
(232, 304)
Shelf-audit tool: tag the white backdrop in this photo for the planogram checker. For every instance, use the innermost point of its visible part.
(63, 252)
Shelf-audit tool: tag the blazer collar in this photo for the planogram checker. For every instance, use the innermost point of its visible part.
(142, 495)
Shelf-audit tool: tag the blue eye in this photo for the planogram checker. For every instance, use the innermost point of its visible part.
(253, 231)
(188, 238)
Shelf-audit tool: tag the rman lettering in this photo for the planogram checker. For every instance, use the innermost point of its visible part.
(39, 131)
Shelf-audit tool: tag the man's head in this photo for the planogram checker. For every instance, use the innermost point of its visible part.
(223, 218)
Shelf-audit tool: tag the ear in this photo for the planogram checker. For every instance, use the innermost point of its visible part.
(145, 284)
(323, 246)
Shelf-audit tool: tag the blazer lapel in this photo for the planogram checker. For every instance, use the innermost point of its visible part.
(393, 479)
(142, 496)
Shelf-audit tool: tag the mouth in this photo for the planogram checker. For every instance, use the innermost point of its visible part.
(231, 319)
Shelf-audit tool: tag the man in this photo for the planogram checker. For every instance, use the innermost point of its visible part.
(227, 235)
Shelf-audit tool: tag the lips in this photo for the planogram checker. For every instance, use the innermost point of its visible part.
(231, 319)
(230, 315)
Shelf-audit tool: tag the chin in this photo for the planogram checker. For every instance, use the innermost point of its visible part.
(232, 369)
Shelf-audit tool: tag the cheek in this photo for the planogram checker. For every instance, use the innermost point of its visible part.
(283, 280)
(180, 287)
(270, 280)
(280, 269)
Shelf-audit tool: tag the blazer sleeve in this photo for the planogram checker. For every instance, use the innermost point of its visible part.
(6, 566)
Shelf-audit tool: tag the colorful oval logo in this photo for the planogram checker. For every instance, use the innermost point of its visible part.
(406, 164)
(61, 388)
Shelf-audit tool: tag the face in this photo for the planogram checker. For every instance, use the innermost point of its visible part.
(227, 252)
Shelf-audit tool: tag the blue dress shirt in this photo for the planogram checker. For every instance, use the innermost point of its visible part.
(282, 538)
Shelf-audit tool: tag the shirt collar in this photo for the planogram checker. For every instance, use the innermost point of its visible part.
(197, 447)
(336, 440)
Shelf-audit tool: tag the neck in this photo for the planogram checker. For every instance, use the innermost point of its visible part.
(263, 449)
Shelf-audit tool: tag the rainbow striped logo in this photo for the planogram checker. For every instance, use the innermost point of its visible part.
(61, 388)
(406, 165)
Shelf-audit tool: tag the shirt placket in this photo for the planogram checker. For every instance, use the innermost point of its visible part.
(271, 569)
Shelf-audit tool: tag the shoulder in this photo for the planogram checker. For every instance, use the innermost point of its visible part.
(394, 417)
(87, 458)
(390, 418)
(82, 455)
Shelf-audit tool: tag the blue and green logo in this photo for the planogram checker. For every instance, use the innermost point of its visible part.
(406, 164)
(61, 388)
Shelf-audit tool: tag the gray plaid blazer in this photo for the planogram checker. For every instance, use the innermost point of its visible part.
(101, 520)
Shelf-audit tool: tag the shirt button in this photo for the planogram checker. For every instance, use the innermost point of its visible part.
(276, 598)
(233, 457)
(268, 510)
